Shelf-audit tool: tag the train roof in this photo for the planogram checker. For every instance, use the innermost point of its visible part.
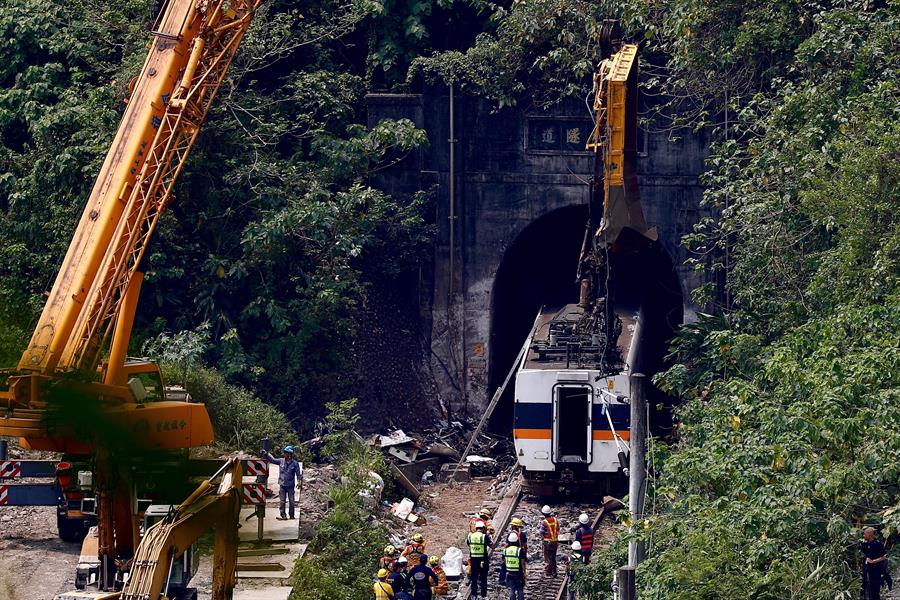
(554, 347)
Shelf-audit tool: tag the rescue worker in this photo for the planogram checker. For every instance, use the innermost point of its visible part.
(550, 534)
(398, 579)
(289, 476)
(443, 586)
(875, 566)
(414, 549)
(576, 562)
(483, 515)
(518, 527)
(422, 578)
(478, 543)
(390, 557)
(382, 589)
(512, 568)
(584, 535)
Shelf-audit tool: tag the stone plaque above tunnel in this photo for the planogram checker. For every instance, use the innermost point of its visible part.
(557, 135)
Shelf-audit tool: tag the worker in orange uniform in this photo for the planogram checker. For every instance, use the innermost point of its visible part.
(386, 562)
(550, 533)
(382, 589)
(443, 586)
(584, 535)
(483, 515)
(414, 549)
(518, 527)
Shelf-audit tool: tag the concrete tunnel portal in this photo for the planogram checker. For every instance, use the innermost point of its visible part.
(538, 269)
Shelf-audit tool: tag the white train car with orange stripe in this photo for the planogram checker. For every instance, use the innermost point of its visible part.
(571, 423)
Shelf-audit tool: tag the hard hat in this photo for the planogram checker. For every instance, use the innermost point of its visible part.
(382, 573)
(479, 524)
(289, 449)
(576, 545)
(513, 538)
(417, 537)
(517, 522)
(390, 550)
(484, 512)
(545, 509)
(434, 559)
(583, 519)
(402, 560)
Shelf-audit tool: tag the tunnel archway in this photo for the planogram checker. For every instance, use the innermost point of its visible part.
(539, 269)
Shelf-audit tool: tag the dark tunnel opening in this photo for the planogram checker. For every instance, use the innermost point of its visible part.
(539, 269)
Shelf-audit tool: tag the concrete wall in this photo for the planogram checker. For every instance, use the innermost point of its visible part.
(503, 184)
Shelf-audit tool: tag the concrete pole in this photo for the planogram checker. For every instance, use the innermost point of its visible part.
(637, 462)
(625, 584)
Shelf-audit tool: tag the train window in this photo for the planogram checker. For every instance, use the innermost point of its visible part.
(572, 424)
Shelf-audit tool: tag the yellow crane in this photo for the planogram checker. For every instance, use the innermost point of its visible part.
(74, 367)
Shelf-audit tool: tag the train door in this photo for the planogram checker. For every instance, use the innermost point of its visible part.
(572, 435)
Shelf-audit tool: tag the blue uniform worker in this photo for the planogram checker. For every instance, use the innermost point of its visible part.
(289, 474)
(422, 578)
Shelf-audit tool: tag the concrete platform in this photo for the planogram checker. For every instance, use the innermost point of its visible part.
(277, 565)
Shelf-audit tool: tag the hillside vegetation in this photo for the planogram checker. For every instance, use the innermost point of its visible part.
(788, 437)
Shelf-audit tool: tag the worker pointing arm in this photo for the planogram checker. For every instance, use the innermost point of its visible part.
(289, 475)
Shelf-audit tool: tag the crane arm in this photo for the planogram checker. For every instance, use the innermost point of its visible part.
(188, 57)
(207, 508)
(615, 140)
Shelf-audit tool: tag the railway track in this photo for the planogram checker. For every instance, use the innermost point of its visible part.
(516, 503)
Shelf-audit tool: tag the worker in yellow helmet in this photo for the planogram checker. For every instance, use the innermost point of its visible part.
(386, 562)
(443, 586)
(483, 515)
(382, 589)
(414, 549)
(518, 527)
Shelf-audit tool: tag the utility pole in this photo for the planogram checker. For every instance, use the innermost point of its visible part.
(637, 462)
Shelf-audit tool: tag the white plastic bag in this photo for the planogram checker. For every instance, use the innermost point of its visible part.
(452, 562)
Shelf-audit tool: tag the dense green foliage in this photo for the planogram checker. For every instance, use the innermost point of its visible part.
(339, 562)
(789, 435)
(275, 233)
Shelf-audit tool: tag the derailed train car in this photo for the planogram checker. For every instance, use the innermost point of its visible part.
(571, 420)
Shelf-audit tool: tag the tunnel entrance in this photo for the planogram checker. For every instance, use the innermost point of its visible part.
(539, 270)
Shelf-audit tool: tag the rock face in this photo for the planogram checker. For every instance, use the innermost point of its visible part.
(520, 209)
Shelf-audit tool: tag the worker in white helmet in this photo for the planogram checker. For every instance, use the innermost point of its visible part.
(576, 562)
(584, 535)
(550, 533)
(512, 569)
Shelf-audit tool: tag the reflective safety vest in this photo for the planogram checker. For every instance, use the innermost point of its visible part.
(476, 542)
(552, 525)
(585, 535)
(383, 591)
(512, 559)
(443, 586)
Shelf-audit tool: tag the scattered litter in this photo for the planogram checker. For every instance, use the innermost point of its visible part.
(402, 509)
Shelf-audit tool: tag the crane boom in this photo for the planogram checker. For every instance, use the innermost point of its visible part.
(59, 399)
(187, 61)
(94, 297)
